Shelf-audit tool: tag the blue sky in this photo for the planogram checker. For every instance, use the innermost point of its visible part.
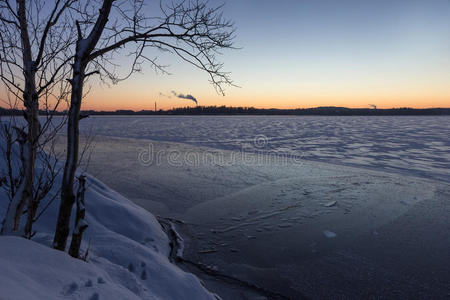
(315, 52)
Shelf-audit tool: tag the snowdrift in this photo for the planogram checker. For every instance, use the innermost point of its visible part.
(128, 256)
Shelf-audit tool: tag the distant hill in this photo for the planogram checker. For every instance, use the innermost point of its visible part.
(225, 110)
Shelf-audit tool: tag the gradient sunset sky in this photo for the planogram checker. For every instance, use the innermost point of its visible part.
(308, 53)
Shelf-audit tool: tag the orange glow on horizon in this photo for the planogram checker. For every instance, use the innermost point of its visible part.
(301, 102)
(141, 92)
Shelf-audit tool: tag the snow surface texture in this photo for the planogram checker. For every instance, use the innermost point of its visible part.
(412, 145)
(128, 256)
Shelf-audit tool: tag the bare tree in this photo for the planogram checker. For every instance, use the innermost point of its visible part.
(189, 29)
(12, 152)
(34, 53)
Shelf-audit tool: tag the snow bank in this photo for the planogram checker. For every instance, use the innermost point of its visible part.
(32, 271)
(128, 256)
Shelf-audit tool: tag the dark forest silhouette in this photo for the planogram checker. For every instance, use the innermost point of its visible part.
(228, 110)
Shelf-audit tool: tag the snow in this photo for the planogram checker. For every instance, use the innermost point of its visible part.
(128, 256)
(30, 270)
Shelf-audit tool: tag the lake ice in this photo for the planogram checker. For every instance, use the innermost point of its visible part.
(416, 145)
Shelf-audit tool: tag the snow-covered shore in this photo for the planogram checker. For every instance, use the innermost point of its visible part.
(128, 257)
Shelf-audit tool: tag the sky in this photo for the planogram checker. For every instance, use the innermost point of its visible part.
(309, 53)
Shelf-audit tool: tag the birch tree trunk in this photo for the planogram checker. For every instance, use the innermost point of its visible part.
(32, 140)
(80, 222)
(67, 193)
(83, 50)
(31, 102)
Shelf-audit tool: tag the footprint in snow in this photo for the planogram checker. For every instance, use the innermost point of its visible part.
(95, 296)
(144, 275)
(131, 267)
(70, 289)
(88, 283)
(101, 280)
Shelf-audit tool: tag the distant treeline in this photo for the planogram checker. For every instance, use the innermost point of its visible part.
(224, 110)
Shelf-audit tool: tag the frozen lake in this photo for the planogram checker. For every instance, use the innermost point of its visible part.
(302, 228)
(416, 145)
